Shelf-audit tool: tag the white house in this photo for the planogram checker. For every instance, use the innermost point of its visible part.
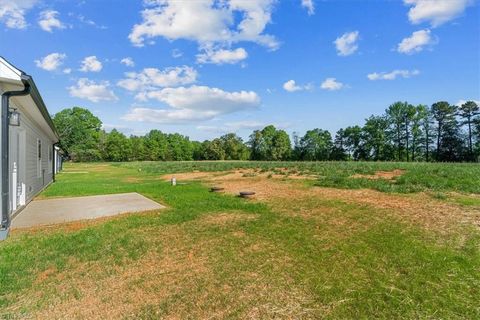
(29, 159)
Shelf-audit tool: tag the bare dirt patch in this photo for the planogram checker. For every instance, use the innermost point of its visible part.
(195, 175)
(266, 185)
(387, 175)
(234, 175)
(265, 189)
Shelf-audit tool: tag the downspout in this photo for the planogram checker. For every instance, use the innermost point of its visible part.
(5, 223)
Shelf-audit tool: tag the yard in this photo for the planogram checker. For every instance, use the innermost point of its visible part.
(319, 240)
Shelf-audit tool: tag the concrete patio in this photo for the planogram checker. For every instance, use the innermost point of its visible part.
(60, 210)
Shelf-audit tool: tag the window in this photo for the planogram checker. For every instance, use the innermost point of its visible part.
(39, 158)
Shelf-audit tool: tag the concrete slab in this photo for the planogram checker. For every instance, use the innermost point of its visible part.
(52, 211)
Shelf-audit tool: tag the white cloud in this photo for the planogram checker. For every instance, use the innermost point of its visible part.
(222, 56)
(436, 12)
(331, 84)
(90, 22)
(49, 20)
(51, 62)
(291, 86)
(152, 78)
(206, 21)
(165, 116)
(392, 75)
(12, 12)
(176, 53)
(93, 91)
(194, 103)
(233, 126)
(128, 62)
(92, 64)
(309, 5)
(416, 42)
(205, 98)
(246, 124)
(67, 70)
(347, 43)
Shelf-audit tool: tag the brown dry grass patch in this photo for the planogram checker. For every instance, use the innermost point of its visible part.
(87, 168)
(236, 174)
(133, 180)
(195, 175)
(183, 277)
(387, 175)
(418, 209)
(227, 218)
(109, 291)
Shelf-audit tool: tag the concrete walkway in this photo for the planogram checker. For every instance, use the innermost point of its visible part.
(52, 211)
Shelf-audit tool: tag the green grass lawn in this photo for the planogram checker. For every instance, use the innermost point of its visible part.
(218, 256)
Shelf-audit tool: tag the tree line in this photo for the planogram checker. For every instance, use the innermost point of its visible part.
(404, 132)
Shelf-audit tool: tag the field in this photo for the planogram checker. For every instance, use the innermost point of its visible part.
(319, 240)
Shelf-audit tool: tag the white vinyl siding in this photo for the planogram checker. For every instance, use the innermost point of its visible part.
(36, 174)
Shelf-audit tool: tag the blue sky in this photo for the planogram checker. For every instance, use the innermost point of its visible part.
(203, 68)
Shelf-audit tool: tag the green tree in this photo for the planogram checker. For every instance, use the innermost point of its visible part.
(117, 147)
(374, 135)
(281, 148)
(426, 123)
(270, 144)
(316, 144)
(354, 143)
(234, 147)
(416, 129)
(396, 114)
(338, 150)
(476, 132)
(255, 144)
(179, 148)
(268, 134)
(213, 150)
(138, 148)
(409, 115)
(197, 150)
(453, 144)
(468, 112)
(444, 115)
(79, 132)
(156, 144)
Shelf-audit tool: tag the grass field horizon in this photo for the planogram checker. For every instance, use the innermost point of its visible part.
(320, 240)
